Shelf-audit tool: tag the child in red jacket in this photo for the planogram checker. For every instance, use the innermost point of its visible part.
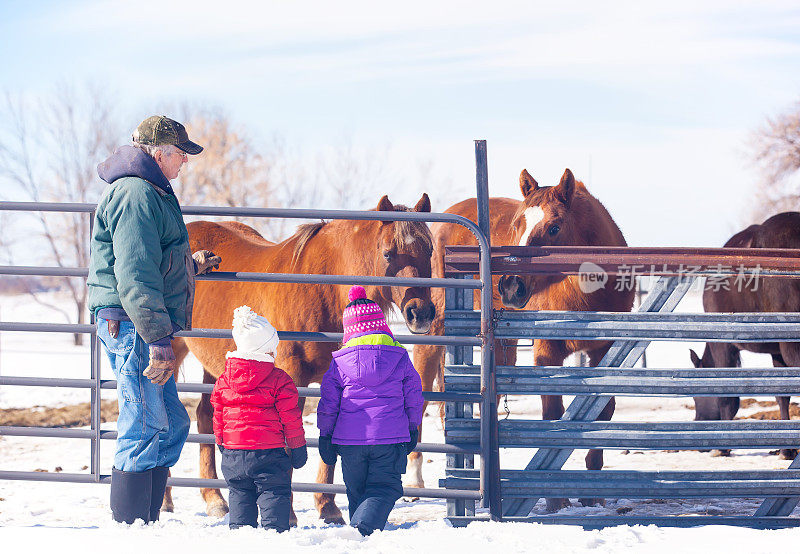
(255, 417)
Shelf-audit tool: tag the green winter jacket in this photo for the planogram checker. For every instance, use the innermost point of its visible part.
(140, 258)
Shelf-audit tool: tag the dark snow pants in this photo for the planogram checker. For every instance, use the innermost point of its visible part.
(372, 475)
(258, 480)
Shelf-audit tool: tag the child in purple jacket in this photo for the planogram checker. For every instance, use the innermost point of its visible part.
(369, 411)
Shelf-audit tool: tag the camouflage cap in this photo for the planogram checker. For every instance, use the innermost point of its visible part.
(159, 129)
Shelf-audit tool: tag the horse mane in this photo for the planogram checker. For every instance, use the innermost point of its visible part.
(305, 233)
(406, 233)
(412, 232)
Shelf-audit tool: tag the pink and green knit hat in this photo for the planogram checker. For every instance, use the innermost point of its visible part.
(362, 316)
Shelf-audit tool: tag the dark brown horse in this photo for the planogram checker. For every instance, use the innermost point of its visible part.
(401, 249)
(564, 215)
(429, 360)
(770, 294)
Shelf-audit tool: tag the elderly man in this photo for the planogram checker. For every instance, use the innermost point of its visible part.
(141, 289)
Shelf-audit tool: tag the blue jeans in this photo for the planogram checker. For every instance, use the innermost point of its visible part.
(153, 424)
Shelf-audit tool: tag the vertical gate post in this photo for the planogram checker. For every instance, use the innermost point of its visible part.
(459, 299)
(95, 405)
(490, 451)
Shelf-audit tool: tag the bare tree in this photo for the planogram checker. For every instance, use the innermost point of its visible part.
(231, 171)
(49, 148)
(235, 170)
(776, 151)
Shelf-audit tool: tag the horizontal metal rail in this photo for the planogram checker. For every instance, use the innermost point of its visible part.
(285, 213)
(226, 334)
(204, 438)
(204, 388)
(707, 327)
(635, 484)
(589, 522)
(641, 261)
(637, 488)
(584, 371)
(733, 382)
(250, 277)
(220, 484)
(627, 474)
(691, 435)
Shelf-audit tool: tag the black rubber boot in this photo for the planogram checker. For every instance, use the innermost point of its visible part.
(130, 495)
(159, 483)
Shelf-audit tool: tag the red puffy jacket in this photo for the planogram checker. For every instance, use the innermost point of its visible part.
(255, 407)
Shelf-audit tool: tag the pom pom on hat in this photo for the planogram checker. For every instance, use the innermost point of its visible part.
(252, 332)
(356, 292)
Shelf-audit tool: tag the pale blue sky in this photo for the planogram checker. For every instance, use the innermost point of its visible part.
(650, 103)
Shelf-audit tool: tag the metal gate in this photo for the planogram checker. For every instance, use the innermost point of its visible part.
(616, 375)
(95, 384)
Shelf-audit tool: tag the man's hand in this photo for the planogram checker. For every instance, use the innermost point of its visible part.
(162, 364)
(206, 260)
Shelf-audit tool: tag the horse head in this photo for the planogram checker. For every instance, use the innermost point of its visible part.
(404, 249)
(712, 408)
(545, 218)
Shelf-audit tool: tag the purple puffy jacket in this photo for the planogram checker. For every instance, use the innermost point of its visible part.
(371, 394)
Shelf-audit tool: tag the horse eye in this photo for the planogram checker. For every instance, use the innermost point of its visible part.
(553, 230)
(387, 255)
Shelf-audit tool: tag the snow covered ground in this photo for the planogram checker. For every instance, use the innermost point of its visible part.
(69, 517)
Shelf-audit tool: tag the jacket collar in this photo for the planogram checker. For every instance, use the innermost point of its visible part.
(129, 161)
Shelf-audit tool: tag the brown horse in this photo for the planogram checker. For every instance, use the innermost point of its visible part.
(761, 295)
(564, 215)
(401, 249)
(429, 360)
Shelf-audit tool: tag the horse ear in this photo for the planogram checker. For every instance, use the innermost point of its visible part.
(527, 184)
(566, 187)
(695, 358)
(385, 205)
(424, 204)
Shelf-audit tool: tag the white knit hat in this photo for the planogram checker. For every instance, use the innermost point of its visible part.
(252, 332)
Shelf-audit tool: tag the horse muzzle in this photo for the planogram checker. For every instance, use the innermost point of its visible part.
(419, 316)
(513, 291)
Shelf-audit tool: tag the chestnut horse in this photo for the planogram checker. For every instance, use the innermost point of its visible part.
(401, 249)
(771, 294)
(428, 359)
(564, 215)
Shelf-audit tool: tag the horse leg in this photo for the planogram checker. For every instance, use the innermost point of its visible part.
(167, 505)
(329, 512)
(783, 402)
(725, 354)
(215, 503)
(551, 353)
(594, 458)
(428, 361)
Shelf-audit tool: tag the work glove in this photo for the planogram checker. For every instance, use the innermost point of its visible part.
(205, 260)
(162, 364)
(412, 443)
(299, 456)
(327, 451)
(113, 328)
